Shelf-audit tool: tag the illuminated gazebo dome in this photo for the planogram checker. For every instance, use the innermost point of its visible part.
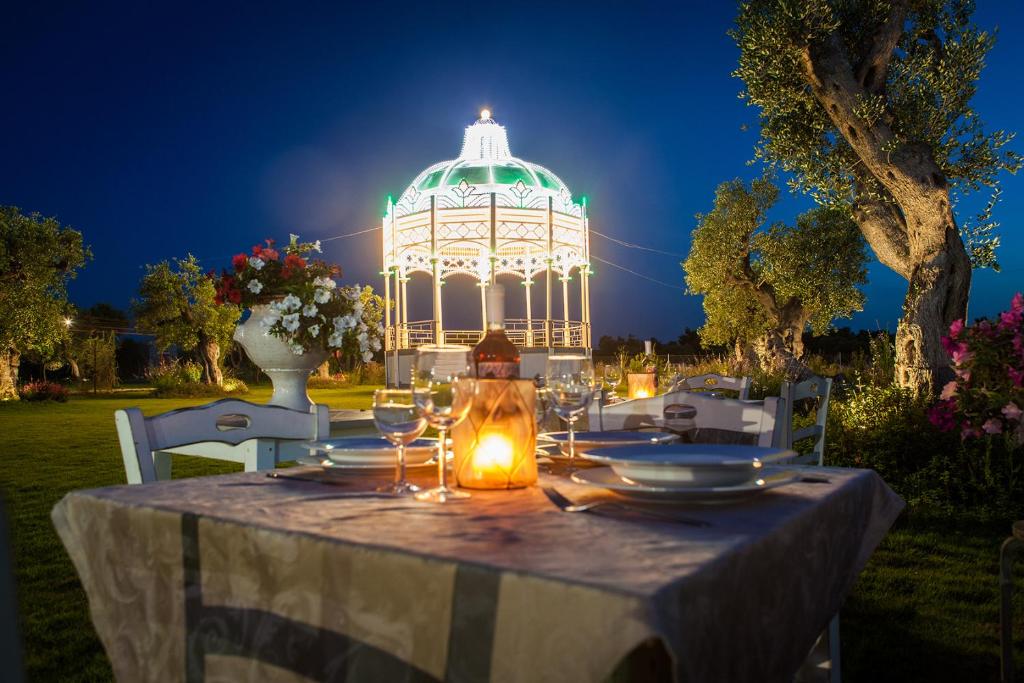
(485, 214)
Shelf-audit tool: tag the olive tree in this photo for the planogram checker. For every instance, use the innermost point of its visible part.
(38, 256)
(869, 103)
(176, 303)
(763, 285)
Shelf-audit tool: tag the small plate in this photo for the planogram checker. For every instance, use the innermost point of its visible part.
(372, 451)
(590, 440)
(329, 463)
(604, 477)
(685, 464)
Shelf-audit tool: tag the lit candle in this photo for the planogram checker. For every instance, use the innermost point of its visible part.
(494, 453)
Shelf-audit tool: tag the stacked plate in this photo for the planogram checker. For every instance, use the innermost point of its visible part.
(588, 441)
(367, 453)
(687, 472)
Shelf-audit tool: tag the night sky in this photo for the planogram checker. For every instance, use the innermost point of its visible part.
(163, 129)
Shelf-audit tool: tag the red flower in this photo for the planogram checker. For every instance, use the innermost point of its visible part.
(292, 263)
(239, 261)
(235, 296)
(269, 254)
(257, 249)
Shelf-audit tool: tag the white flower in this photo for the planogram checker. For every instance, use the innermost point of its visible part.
(335, 340)
(293, 238)
(325, 282)
(297, 349)
(256, 262)
(322, 296)
(344, 322)
(316, 247)
(363, 339)
(367, 356)
(291, 322)
(314, 330)
(255, 286)
(375, 344)
(291, 303)
(310, 310)
(270, 319)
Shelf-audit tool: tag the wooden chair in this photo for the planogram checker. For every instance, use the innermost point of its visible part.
(759, 421)
(819, 388)
(714, 382)
(257, 436)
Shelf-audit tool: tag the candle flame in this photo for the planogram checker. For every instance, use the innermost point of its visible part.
(494, 452)
(642, 393)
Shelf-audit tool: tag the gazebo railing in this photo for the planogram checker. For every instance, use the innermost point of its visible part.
(521, 332)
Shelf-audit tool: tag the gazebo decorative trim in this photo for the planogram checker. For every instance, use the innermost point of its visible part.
(481, 215)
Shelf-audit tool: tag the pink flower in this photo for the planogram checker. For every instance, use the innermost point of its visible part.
(967, 431)
(993, 425)
(1015, 375)
(1017, 303)
(1011, 411)
(956, 328)
(941, 415)
(962, 356)
(948, 391)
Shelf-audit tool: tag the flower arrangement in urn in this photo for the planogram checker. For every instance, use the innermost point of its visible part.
(298, 310)
(986, 397)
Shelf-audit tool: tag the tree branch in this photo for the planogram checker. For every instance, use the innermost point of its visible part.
(874, 67)
(884, 227)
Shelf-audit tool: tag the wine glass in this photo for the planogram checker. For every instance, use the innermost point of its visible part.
(612, 377)
(571, 384)
(399, 421)
(443, 389)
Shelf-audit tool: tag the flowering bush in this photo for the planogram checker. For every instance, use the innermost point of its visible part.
(44, 391)
(987, 395)
(304, 305)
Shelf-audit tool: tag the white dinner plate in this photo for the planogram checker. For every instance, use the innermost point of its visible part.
(604, 477)
(370, 451)
(688, 464)
(590, 440)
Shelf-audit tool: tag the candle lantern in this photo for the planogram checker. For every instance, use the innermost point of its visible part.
(642, 384)
(495, 445)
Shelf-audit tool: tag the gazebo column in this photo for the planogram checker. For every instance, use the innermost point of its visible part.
(585, 278)
(483, 305)
(548, 328)
(565, 309)
(527, 282)
(584, 317)
(387, 314)
(399, 329)
(405, 312)
(435, 264)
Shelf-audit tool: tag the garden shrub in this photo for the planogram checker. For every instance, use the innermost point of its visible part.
(43, 391)
(335, 381)
(184, 380)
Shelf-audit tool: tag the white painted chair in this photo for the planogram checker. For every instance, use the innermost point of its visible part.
(759, 419)
(826, 652)
(819, 388)
(712, 382)
(257, 436)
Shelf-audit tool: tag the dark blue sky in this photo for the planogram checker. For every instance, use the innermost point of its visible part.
(162, 129)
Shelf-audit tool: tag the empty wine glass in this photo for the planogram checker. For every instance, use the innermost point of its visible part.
(399, 421)
(571, 384)
(612, 377)
(443, 389)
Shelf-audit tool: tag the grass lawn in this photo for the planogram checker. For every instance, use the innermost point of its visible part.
(925, 609)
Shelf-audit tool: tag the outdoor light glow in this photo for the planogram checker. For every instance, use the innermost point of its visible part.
(67, 322)
(493, 452)
(485, 114)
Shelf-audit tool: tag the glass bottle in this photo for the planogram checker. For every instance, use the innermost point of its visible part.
(496, 357)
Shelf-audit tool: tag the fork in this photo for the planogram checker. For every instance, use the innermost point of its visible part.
(567, 505)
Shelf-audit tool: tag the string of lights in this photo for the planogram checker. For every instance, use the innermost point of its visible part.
(641, 275)
(631, 245)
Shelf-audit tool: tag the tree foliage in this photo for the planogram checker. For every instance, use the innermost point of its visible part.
(176, 303)
(763, 280)
(38, 256)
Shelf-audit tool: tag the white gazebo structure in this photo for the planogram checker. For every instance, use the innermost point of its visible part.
(482, 215)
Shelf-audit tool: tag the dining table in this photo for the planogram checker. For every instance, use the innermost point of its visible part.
(305, 574)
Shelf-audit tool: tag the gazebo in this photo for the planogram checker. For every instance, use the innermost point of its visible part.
(485, 214)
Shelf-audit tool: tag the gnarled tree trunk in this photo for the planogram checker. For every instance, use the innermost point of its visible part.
(9, 362)
(209, 350)
(901, 201)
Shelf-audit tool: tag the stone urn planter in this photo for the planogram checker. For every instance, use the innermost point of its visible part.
(288, 372)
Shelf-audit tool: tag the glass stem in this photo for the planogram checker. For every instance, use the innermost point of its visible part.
(572, 443)
(442, 459)
(400, 466)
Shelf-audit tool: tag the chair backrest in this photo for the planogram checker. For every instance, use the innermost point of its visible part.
(759, 419)
(815, 387)
(228, 421)
(712, 381)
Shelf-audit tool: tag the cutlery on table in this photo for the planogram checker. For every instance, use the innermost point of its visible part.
(567, 505)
